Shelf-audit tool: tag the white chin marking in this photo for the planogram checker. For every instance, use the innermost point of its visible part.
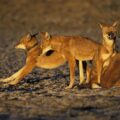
(21, 46)
(46, 49)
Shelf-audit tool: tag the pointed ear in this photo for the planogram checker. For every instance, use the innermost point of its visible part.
(101, 25)
(45, 35)
(115, 24)
(28, 36)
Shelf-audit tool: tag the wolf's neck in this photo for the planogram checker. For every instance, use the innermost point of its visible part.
(32, 47)
(56, 44)
(108, 44)
(35, 51)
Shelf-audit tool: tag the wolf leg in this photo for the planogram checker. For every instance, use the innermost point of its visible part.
(15, 78)
(72, 64)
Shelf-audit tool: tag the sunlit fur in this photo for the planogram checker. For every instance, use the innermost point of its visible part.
(34, 59)
(104, 54)
(71, 48)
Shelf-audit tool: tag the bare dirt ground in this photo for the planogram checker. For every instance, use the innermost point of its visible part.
(41, 95)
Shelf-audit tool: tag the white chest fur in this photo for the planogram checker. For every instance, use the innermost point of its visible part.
(105, 56)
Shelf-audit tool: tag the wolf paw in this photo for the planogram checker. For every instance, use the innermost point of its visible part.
(82, 83)
(6, 80)
(13, 82)
(9, 81)
(69, 87)
(96, 86)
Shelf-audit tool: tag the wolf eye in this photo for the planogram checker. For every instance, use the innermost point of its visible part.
(110, 33)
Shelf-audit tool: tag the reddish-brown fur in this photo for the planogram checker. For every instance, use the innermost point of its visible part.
(104, 54)
(34, 59)
(111, 76)
(72, 48)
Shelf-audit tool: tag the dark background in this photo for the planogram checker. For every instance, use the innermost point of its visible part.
(41, 94)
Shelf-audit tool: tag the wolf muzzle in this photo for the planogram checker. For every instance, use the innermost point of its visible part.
(20, 46)
(111, 36)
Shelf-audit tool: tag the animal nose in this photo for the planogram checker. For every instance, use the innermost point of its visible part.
(111, 35)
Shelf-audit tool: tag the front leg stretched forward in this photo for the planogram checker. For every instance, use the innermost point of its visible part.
(18, 76)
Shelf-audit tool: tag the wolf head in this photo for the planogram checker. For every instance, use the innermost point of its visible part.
(26, 42)
(109, 31)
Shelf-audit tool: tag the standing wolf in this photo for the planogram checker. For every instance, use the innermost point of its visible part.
(72, 48)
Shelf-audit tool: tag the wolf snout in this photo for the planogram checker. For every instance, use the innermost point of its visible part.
(20, 46)
(111, 35)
